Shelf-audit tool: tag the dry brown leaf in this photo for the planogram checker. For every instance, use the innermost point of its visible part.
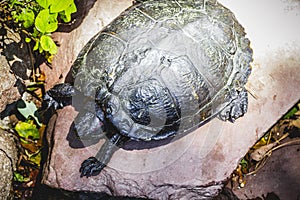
(259, 153)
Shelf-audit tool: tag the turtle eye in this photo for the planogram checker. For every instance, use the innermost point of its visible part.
(112, 106)
(108, 110)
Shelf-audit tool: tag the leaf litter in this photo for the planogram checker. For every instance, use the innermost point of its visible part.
(284, 133)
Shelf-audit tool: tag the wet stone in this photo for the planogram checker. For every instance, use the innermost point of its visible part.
(8, 161)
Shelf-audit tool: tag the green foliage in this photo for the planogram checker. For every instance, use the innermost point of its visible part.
(48, 45)
(27, 130)
(46, 22)
(66, 14)
(20, 178)
(292, 111)
(30, 132)
(26, 17)
(38, 19)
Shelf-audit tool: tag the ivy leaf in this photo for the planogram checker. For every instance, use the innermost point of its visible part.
(66, 14)
(59, 5)
(48, 44)
(27, 130)
(46, 22)
(28, 109)
(43, 3)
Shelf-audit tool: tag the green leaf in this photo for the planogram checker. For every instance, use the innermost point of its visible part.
(37, 44)
(35, 33)
(244, 162)
(20, 178)
(46, 22)
(59, 5)
(27, 39)
(32, 89)
(66, 14)
(64, 17)
(53, 50)
(24, 141)
(40, 49)
(28, 109)
(48, 44)
(27, 17)
(43, 3)
(27, 130)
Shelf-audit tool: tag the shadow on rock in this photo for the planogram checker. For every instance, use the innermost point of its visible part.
(75, 142)
(43, 192)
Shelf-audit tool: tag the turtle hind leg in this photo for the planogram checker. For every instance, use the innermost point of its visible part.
(237, 107)
(59, 96)
(94, 165)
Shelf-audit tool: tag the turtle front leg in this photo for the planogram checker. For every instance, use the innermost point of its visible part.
(59, 96)
(104, 102)
(93, 165)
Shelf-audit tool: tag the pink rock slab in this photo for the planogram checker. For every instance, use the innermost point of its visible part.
(195, 165)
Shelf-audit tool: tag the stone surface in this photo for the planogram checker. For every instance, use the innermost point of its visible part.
(9, 61)
(8, 161)
(194, 166)
(8, 93)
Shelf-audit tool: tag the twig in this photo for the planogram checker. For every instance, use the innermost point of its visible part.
(268, 154)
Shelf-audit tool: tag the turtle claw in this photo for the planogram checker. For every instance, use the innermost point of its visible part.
(91, 167)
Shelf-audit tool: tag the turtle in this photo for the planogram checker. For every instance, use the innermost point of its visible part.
(161, 69)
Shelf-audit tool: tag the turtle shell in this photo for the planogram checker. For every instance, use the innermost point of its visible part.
(168, 65)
